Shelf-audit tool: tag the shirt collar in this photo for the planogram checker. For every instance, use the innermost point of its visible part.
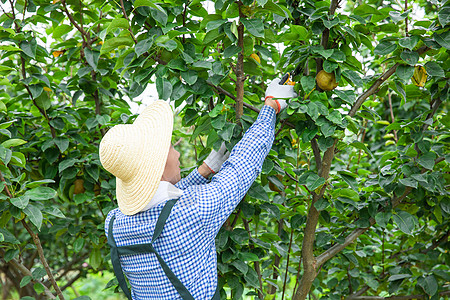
(165, 191)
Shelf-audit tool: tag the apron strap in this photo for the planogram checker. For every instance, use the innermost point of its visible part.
(148, 248)
(116, 261)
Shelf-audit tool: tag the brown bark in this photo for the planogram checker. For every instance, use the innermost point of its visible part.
(374, 88)
(240, 76)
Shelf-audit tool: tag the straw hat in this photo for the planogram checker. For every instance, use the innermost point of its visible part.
(136, 154)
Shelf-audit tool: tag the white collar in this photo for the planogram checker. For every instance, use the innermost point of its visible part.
(165, 191)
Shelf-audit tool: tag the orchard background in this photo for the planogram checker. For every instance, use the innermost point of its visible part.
(353, 199)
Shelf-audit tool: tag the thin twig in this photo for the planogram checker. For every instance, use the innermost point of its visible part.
(26, 272)
(40, 250)
(129, 25)
(374, 88)
(392, 114)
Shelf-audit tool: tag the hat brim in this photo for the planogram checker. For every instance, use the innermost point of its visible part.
(153, 132)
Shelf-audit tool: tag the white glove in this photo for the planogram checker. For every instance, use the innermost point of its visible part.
(216, 158)
(280, 92)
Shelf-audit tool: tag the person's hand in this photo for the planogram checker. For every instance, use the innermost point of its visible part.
(278, 93)
(216, 158)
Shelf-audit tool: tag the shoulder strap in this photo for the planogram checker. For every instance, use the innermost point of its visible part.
(147, 248)
(116, 261)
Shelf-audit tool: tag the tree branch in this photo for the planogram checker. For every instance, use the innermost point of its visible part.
(220, 90)
(2, 179)
(316, 152)
(240, 77)
(41, 110)
(326, 34)
(37, 242)
(310, 265)
(256, 263)
(325, 256)
(26, 272)
(374, 88)
(129, 25)
(72, 20)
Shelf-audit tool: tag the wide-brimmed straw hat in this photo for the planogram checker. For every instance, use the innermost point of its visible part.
(136, 154)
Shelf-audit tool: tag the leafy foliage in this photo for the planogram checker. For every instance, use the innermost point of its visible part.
(353, 197)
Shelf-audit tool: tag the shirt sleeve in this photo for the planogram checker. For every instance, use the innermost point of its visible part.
(218, 199)
(194, 178)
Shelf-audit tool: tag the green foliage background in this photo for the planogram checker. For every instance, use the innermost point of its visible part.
(353, 198)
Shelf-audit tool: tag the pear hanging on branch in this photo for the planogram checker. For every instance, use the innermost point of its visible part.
(326, 81)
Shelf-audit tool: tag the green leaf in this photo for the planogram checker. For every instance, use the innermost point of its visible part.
(348, 96)
(231, 51)
(365, 10)
(354, 77)
(429, 284)
(95, 259)
(308, 83)
(443, 39)
(177, 64)
(164, 88)
(10, 254)
(409, 42)
(404, 72)
(405, 222)
(301, 31)
(25, 280)
(256, 191)
(61, 30)
(397, 16)
(346, 193)
(117, 23)
(227, 133)
(247, 256)
(321, 204)
(254, 26)
(398, 277)
(331, 23)
(349, 180)
(143, 46)
(410, 57)
(38, 273)
(427, 160)
(34, 214)
(408, 182)
(314, 181)
(361, 146)
(329, 66)
(78, 245)
(240, 266)
(18, 159)
(190, 76)
(384, 48)
(92, 57)
(20, 202)
(66, 164)
(62, 143)
(444, 15)
(116, 42)
(54, 211)
(13, 143)
(434, 69)
(382, 218)
(159, 14)
(29, 47)
(40, 193)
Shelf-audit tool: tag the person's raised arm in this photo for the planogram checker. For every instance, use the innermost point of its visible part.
(218, 199)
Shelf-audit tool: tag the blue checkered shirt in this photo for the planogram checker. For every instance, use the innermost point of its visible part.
(187, 243)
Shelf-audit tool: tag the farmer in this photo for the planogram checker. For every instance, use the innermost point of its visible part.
(162, 235)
